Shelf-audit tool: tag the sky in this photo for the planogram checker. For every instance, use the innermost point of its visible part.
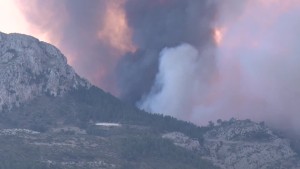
(194, 60)
(12, 20)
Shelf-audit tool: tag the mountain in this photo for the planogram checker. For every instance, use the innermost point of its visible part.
(30, 68)
(52, 118)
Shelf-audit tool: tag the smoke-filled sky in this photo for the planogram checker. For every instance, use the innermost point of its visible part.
(197, 60)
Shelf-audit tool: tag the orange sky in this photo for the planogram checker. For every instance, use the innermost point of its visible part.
(115, 30)
(12, 20)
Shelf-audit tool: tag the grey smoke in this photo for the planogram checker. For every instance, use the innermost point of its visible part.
(156, 25)
(259, 60)
(253, 74)
(182, 83)
(257, 70)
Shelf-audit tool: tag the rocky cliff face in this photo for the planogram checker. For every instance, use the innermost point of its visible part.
(29, 68)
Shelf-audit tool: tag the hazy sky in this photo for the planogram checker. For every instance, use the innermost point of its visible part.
(195, 60)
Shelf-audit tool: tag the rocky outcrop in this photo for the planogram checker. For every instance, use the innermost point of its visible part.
(237, 144)
(244, 144)
(181, 140)
(29, 68)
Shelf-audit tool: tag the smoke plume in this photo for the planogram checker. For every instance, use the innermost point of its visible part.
(257, 69)
(155, 25)
(182, 82)
(116, 43)
(197, 60)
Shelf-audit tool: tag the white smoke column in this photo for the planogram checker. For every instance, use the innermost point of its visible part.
(179, 82)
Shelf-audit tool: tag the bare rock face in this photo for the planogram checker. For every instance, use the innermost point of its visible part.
(29, 68)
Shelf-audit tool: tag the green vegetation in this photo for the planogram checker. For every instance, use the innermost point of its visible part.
(85, 107)
(137, 144)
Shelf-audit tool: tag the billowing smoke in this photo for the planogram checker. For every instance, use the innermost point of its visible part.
(116, 43)
(157, 24)
(257, 68)
(182, 83)
(197, 60)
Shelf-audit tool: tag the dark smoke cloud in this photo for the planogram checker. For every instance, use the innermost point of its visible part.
(157, 24)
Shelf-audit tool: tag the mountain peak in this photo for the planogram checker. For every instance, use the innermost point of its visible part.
(29, 68)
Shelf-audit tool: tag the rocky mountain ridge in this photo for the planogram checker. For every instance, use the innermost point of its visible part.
(29, 68)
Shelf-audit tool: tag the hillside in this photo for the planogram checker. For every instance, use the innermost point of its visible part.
(52, 118)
